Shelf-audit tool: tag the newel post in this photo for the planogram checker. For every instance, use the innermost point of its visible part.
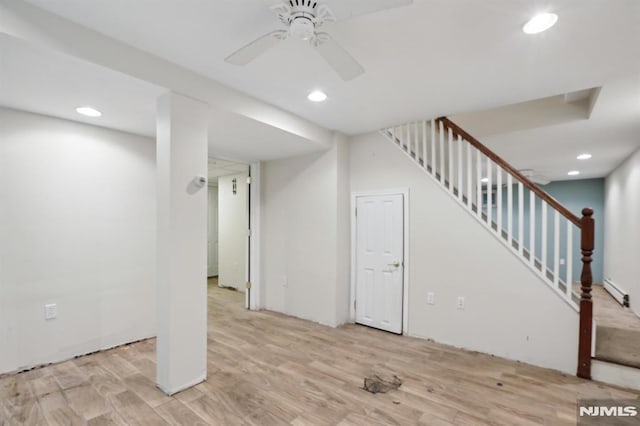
(586, 304)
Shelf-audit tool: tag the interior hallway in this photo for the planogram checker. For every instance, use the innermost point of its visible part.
(267, 368)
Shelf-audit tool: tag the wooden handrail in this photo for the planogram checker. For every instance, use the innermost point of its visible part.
(458, 131)
(586, 304)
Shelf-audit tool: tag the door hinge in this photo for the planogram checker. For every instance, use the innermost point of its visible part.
(248, 232)
(354, 304)
(356, 212)
(248, 284)
(249, 180)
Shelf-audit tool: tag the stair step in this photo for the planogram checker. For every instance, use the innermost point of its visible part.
(615, 374)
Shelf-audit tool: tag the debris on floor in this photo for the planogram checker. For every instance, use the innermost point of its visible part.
(376, 384)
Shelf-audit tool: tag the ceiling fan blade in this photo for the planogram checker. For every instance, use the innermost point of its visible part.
(338, 58)
(256, 48)
(345, 9)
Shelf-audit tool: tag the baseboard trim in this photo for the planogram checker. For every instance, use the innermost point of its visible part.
(185, 386)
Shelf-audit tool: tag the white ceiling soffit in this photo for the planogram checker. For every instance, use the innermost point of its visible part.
(37, 26)
(46, 82)
(549, 111)
(233, 136)
(432, 58)
(610, 135)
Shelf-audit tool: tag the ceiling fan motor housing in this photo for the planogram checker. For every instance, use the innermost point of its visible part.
(302, 19)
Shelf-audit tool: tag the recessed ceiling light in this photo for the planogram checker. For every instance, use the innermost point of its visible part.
(584, 156)
(484, 180)
(573, 173)
(88, 111)
(317, 96)
(539, 23)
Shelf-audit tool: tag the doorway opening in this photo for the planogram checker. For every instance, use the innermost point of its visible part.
(228, 228)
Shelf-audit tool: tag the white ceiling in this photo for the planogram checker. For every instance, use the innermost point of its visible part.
(46, 82)
(38, 80)
(219, 167)
(435, 57)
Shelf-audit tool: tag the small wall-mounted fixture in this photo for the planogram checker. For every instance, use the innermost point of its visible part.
(200, 181)
(235, 186)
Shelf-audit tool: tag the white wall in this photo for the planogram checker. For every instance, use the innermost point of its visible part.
(509, 311)
(622, 228)
(77, 228)
(305, 235)
(233, 224)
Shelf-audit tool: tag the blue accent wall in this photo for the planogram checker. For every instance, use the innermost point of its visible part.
(574, 195)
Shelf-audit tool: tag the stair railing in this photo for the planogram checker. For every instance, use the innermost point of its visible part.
(538, 228)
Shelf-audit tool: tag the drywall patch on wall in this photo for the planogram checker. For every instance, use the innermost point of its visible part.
(233, 225)
(622, 228)
(452, 255)
(77, 228)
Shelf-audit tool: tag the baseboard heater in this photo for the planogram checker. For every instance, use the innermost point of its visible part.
(616, 292)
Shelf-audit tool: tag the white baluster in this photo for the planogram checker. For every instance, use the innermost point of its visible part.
(441, 165)
(544, 239)
(433, 147)
(424, 144)
(469, 176)
(532, 228)
(510, 210)
(489, 193)
(499, 200)
(478, 183)
(450, 149)
(415, 143)
(556, 248)
(407, 138)
(521, 218)
(460, 186)
(569, 276)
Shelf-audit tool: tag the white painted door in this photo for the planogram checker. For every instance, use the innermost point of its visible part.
(380, 261)
(212, 237)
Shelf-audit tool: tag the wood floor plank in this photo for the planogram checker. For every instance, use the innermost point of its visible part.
(266, 368)
(178, 414)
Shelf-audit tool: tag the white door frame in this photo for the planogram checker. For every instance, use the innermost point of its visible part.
(405, 285)
(254, 301)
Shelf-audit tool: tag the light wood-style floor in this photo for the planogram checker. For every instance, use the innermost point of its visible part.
(269, 369)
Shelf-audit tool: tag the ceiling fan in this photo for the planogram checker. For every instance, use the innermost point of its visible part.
(303, 19)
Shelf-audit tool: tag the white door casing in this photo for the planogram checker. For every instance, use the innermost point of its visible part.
(212, 237)
(379, 261)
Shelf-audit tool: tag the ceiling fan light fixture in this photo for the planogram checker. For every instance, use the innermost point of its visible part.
(585, 156)
(317, 96)
(302, 28)
(573, 173)
(539, 23)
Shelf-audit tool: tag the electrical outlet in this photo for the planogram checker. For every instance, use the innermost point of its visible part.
(460, 302)
(50, 311)
(562, 261)
(431, 298)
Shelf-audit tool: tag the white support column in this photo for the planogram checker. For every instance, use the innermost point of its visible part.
(182, 126)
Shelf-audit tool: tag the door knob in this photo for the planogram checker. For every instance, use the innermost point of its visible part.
(396, 264)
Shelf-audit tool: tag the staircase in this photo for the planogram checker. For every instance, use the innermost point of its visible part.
(539, 230)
